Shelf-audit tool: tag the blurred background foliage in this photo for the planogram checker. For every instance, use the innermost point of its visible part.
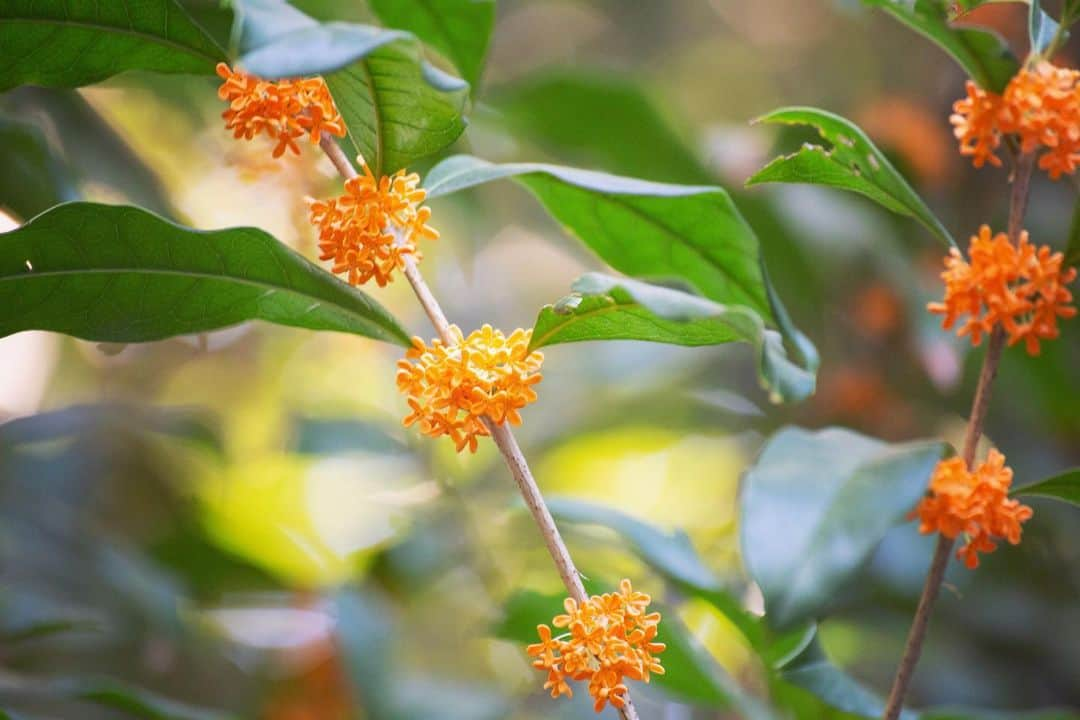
(237, 520)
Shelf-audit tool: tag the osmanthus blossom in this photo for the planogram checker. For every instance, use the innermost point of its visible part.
(452, 388)
(975, 504)
(607, 639)
(284, 110)
(1040, 107)
(1020, 288)
(370, 229)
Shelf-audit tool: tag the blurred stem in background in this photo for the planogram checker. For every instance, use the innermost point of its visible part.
(1021, 184)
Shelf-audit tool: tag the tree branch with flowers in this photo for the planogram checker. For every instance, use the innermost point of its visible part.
(378, 100)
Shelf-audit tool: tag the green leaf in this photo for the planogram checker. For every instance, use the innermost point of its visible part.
(177, 422)
(815, 505)
(812, 670)
(397, 108)
(61, 44)
(95, 153)
(121, 274)
(640, 228)
(1063, 486)
(459, 29)
(1042, 29)
(851, 162)
(670, 554)
(983, 55)
(963, 713)
(33, 179)
(608, 308)
(602, 119)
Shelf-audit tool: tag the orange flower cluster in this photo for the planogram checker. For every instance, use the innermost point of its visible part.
(1020, 287)
(608, 638)
(452, 388)
(369, 230)
(1040, 106)
(285, 110)
(974, 503)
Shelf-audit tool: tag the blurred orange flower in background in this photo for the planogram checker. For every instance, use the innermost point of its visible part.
(1019, 287)
(370, 229)
(452, 388)
(976, 504)
(608, 638)
(284, 110)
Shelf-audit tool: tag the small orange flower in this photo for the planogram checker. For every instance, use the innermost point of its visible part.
(1040, 107)
(370, 229)
(452, 388)
(607, 639)
(1021, 288)
(974, 122)
(284, 110)
(976, 504)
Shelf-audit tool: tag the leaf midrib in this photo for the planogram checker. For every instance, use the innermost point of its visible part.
(155, 39)
(33, 274)
(613, 307)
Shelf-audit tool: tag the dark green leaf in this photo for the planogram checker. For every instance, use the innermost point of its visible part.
(816, 504)
(602, 119)
(641, 228)
(95, 152)
(608, 308)
(184, 423)
(121, 274)
(1042, 29)
(33, 180)
(397, 108)
(851, 162)
(982, 54)
(1064, 486)
(812, 670)
(59, 44)
(460, 29)
(670, 554)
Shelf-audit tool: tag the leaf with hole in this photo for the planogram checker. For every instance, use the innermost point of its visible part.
(850, 162)
(815, 505)
(609, 308)
(59, 44)
(121, 274)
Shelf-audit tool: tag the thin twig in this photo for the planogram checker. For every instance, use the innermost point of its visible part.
(1021, 182)
(500, 433)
